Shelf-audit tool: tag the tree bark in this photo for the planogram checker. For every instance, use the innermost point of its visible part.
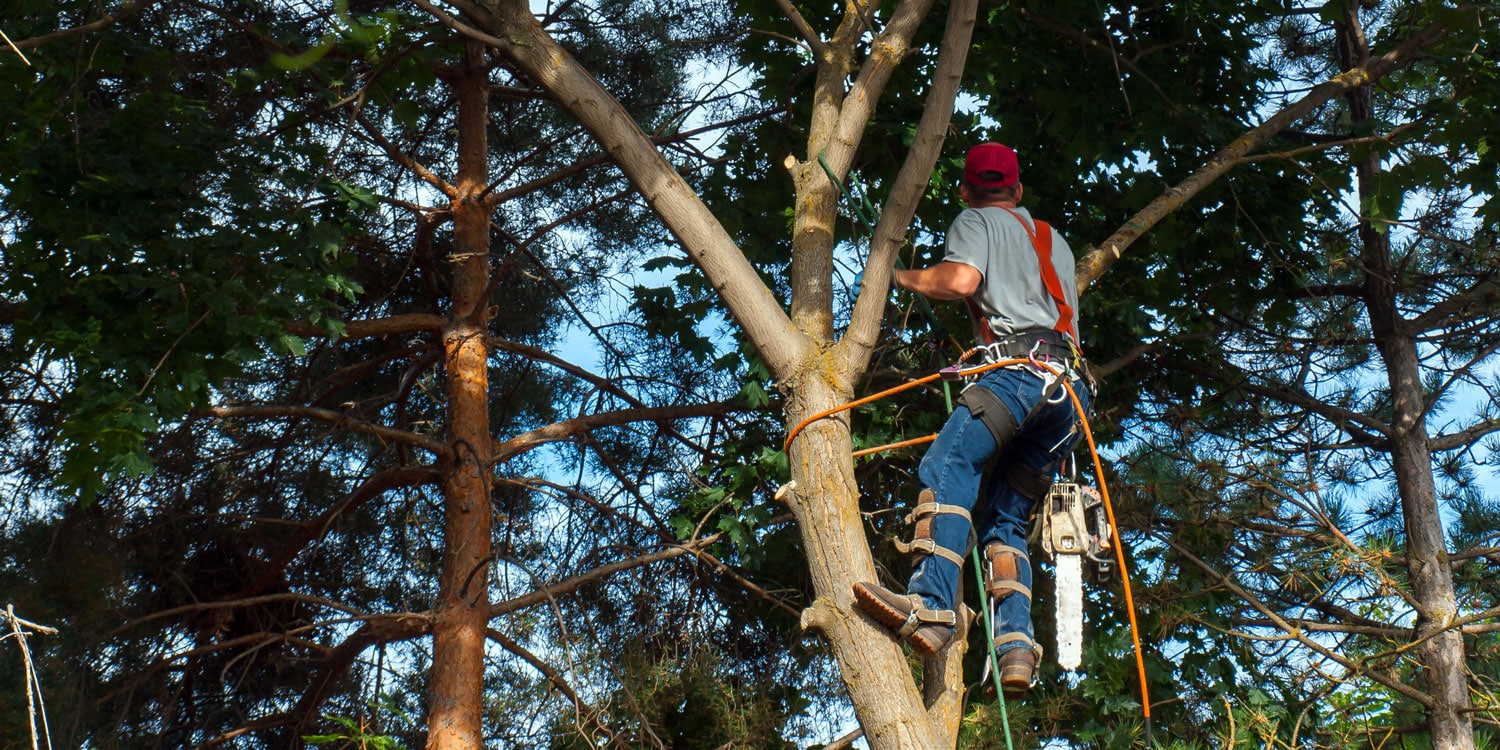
(455, 709)
(1428, 567)
(1431, 574)
(875, 672)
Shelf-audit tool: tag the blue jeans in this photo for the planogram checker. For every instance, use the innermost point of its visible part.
(954, 468)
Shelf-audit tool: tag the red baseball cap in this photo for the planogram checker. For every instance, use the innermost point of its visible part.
(991, 157)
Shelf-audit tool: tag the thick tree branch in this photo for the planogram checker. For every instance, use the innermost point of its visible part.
(1481, 298)
(330, 416)
(1348, 420)
(514, 31)
(1290, 629)
(105, 20)
(1464, 437)
(886, 51)
(314, 530)
(804, 29)
(1099, 259)
(504, 451)
(406, 160)
(394, 325)
(375, 631)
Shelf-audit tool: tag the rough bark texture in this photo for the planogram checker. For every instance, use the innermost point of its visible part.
(1441, 652)
(875, 672)
(1428, 567)
(458, 629)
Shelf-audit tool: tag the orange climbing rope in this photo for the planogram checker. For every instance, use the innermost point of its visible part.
(1088, 433)
(1109, 511)
(795, 431)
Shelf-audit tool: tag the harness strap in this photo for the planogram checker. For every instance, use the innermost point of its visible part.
(930, 547)
(1041, 242)
(1001, 640)
(985, 406)
(1002, 589)
(921, 615)
(924, 510)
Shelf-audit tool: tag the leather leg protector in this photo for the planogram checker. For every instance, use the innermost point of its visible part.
(1002, 572)
(986, 407)
(1032, 483)
(923, 517)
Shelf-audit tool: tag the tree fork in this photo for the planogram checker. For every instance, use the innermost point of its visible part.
(456, 684)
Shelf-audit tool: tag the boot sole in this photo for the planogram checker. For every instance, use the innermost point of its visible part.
(893, 618)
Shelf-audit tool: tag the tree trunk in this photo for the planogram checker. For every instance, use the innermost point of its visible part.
(812, 372)
(455, 712)
(1431, 575)
(872, 663)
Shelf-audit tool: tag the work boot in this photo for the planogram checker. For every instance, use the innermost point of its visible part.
(927, 630)
(1018, 671)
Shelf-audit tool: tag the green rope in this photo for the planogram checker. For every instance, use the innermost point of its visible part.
(989, 639)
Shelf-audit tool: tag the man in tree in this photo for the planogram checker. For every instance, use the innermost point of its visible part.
(1016, 275)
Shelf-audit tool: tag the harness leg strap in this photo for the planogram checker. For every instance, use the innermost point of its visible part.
(1031, 483)
(986, 407)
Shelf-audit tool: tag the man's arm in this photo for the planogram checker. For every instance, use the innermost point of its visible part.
(946, 280)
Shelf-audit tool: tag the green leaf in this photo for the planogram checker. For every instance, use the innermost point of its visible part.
(293, 344)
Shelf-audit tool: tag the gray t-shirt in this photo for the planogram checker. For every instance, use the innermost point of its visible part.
(1012, 293)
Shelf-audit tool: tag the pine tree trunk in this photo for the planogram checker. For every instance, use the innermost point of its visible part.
(1442, 651)
(455, 712)
(1428, 568)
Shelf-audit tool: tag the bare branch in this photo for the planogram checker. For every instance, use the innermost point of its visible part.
(584, 710)
(804, 29)
(105, 20)
(572, 584)
(315, 529)
(570, 428)
(394, 325)
(1296, 634)
(337, 418)
(911, 181)
(406, 160)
